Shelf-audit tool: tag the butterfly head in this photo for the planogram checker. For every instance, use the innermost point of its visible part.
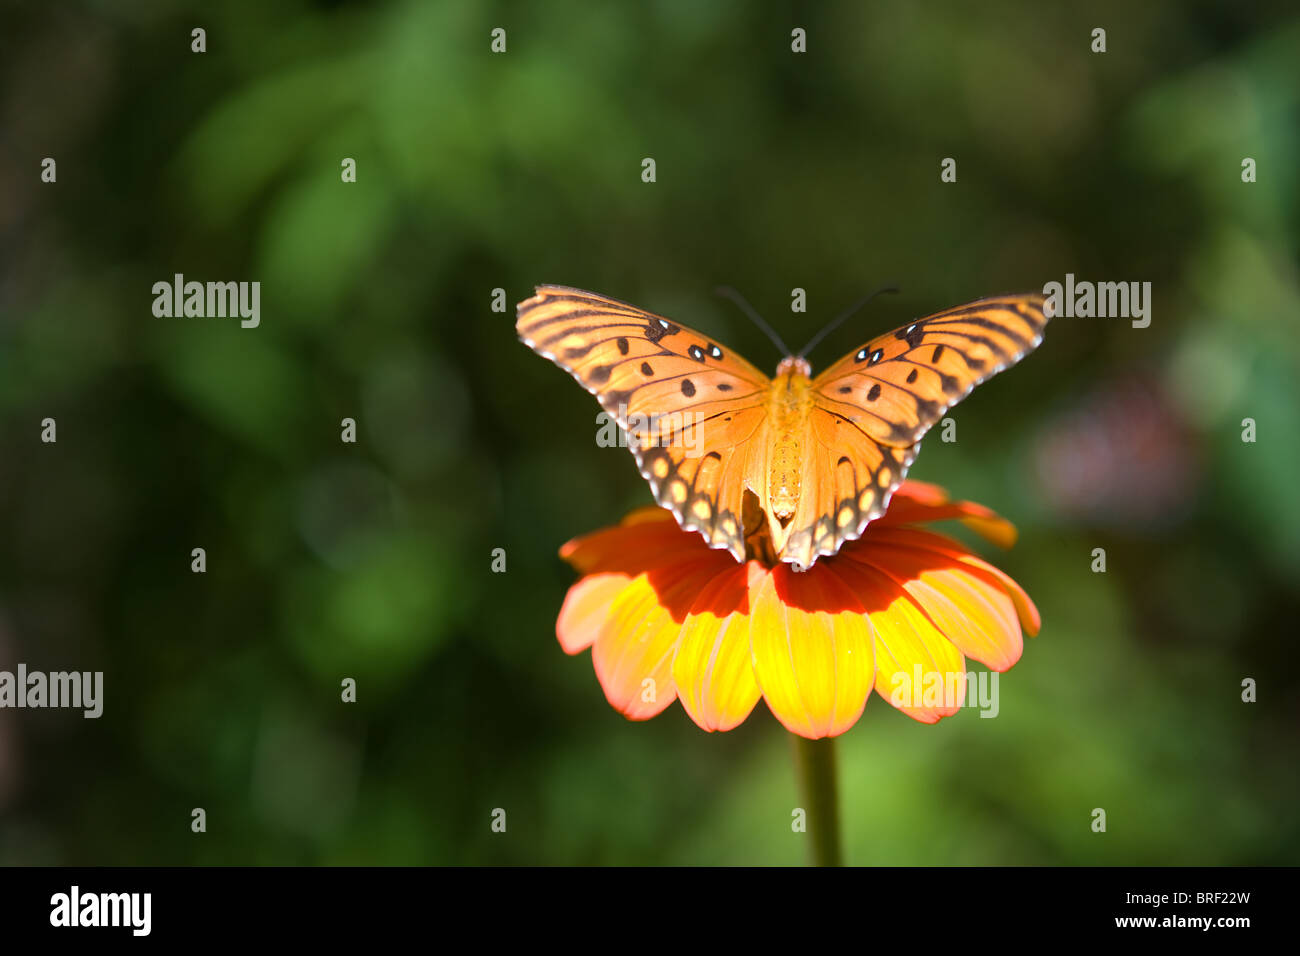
(794, 364)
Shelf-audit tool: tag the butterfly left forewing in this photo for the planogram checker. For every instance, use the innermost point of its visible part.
(692, 409)
(900, 383)
(871, 409)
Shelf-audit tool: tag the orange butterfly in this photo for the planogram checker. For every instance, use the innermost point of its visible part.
(797, 464)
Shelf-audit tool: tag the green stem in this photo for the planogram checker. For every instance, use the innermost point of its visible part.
(814, 761)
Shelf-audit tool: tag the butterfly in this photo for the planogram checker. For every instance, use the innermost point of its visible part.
(801, 464)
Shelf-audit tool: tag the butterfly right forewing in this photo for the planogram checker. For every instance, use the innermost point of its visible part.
(872, 408)
(900, 383)
(694, 412)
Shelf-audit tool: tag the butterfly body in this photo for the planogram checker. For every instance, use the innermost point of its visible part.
(805, 462)
(789, 403)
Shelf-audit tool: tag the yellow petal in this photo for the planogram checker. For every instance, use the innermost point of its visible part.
(633, 653)
(712, 669)
(812, 649)
(918, 670)
(978, 617)
(585, 609)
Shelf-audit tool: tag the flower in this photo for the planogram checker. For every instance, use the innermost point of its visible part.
(667, 617)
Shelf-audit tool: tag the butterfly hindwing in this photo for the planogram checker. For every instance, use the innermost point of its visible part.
(849, 478)
(691, 408)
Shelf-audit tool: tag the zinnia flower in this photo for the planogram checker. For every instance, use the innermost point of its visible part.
(669, 618)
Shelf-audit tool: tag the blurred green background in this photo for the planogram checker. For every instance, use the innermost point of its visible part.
(477, 171)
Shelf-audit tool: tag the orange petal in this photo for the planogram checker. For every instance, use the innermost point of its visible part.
(978, 617)
(633, 654)
(712, 669)
(921, 492)
(813, 650)
(586, 608)
(918, 670)
(642, 542)
(916, 502)
(1030, 619)
(650, 514)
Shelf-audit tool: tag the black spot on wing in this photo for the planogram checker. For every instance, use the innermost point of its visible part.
(617, 399)
(911, 334)
(656, 329)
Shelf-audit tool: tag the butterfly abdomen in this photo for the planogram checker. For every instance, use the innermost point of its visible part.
(790, 402)
(785, 475)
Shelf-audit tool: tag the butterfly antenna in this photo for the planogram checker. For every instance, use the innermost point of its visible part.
(728, 292)
(842, 318)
